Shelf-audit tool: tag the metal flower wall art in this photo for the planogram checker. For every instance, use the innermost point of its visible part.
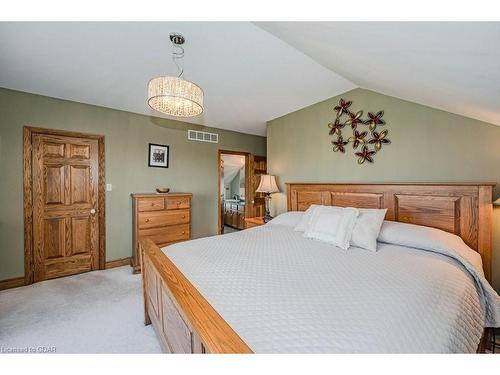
(367, 136)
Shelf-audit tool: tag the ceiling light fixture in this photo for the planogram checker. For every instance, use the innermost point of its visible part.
(175, 96)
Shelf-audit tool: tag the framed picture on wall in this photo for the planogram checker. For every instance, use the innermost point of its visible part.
(158, 156)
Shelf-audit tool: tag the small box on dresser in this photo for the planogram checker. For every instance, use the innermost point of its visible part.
(165, 218)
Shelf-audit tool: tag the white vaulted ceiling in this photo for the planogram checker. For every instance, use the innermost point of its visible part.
(232, 165)
(453, 66)
(248, 75)
(252, 73)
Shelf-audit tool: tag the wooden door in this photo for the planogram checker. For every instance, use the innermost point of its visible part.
(221, 205)
(65, 182)
(257, 166)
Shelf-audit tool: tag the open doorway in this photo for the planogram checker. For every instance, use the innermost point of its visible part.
(233, 173)
(239, 176)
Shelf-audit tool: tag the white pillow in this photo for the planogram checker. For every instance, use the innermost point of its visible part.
(333, 225)
(367, 228)
(289, 219)
(304, 221)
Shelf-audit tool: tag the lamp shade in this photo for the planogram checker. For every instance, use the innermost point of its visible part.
(175, 96)
(267, 184)
(497, 202)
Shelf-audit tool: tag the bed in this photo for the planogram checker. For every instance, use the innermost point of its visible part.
(269, 290)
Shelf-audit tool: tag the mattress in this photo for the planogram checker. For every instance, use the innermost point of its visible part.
(283, 293)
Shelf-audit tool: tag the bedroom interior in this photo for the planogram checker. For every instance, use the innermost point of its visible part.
(232, 192)
(263, 187)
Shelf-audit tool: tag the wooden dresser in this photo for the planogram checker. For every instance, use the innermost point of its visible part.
(234, 214)
(165, 218)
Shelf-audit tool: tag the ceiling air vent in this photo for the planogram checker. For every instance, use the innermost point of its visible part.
(195, 135)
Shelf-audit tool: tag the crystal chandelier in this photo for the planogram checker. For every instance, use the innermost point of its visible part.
(175, 96)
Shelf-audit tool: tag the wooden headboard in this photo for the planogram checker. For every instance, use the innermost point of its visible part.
(463, 209)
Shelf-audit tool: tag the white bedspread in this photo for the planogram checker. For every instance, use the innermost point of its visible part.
(283, 293)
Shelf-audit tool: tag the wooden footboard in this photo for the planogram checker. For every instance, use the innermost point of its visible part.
(183, 320)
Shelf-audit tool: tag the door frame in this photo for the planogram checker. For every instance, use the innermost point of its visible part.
(28, 132)
(219, 203)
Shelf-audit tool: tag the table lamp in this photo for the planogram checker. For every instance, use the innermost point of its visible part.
(267, 186)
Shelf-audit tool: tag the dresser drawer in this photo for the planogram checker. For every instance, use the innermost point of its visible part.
(174, 203)
(165, 235)
(151, 204)
(162, 218)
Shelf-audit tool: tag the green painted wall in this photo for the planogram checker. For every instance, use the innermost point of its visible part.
(428, 145)
(193, 166)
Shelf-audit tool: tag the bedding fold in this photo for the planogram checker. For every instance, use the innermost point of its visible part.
(283, 293)
(450, 245)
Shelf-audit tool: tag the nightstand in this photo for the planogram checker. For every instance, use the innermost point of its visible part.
(254, 222)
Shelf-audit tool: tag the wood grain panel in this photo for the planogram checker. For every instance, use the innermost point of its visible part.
(485, 215)
(174, 328)
(306, 198)
(162, 218)
(118, 263)
(101, 202)
(54, 180)
(79, 151)
(151, 282)
(254, 222)
(151, 204)
(67, 266)
(53, 150)
(174, 203)
(361, 200)
(173, 234)
(12, 283)
(80, 184)
(80, 235)
(54, 235)
(469, 221)
(255, 167)
(440, 212)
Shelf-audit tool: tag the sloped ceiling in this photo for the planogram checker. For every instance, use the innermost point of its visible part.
(248, 75)
(453, 66)
(253, 73)
(232, 165)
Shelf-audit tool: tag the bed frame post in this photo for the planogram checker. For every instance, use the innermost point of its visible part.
(147, 320)
(485, 227)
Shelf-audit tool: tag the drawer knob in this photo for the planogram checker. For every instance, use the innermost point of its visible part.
(183, 232)
(184, 217)
(147, 220)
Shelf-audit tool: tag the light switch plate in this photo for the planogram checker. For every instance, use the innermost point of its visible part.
(109, 187)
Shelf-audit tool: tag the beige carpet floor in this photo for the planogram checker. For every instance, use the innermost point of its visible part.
(94, 312)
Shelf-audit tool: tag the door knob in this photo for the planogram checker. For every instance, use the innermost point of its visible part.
(92, 211)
